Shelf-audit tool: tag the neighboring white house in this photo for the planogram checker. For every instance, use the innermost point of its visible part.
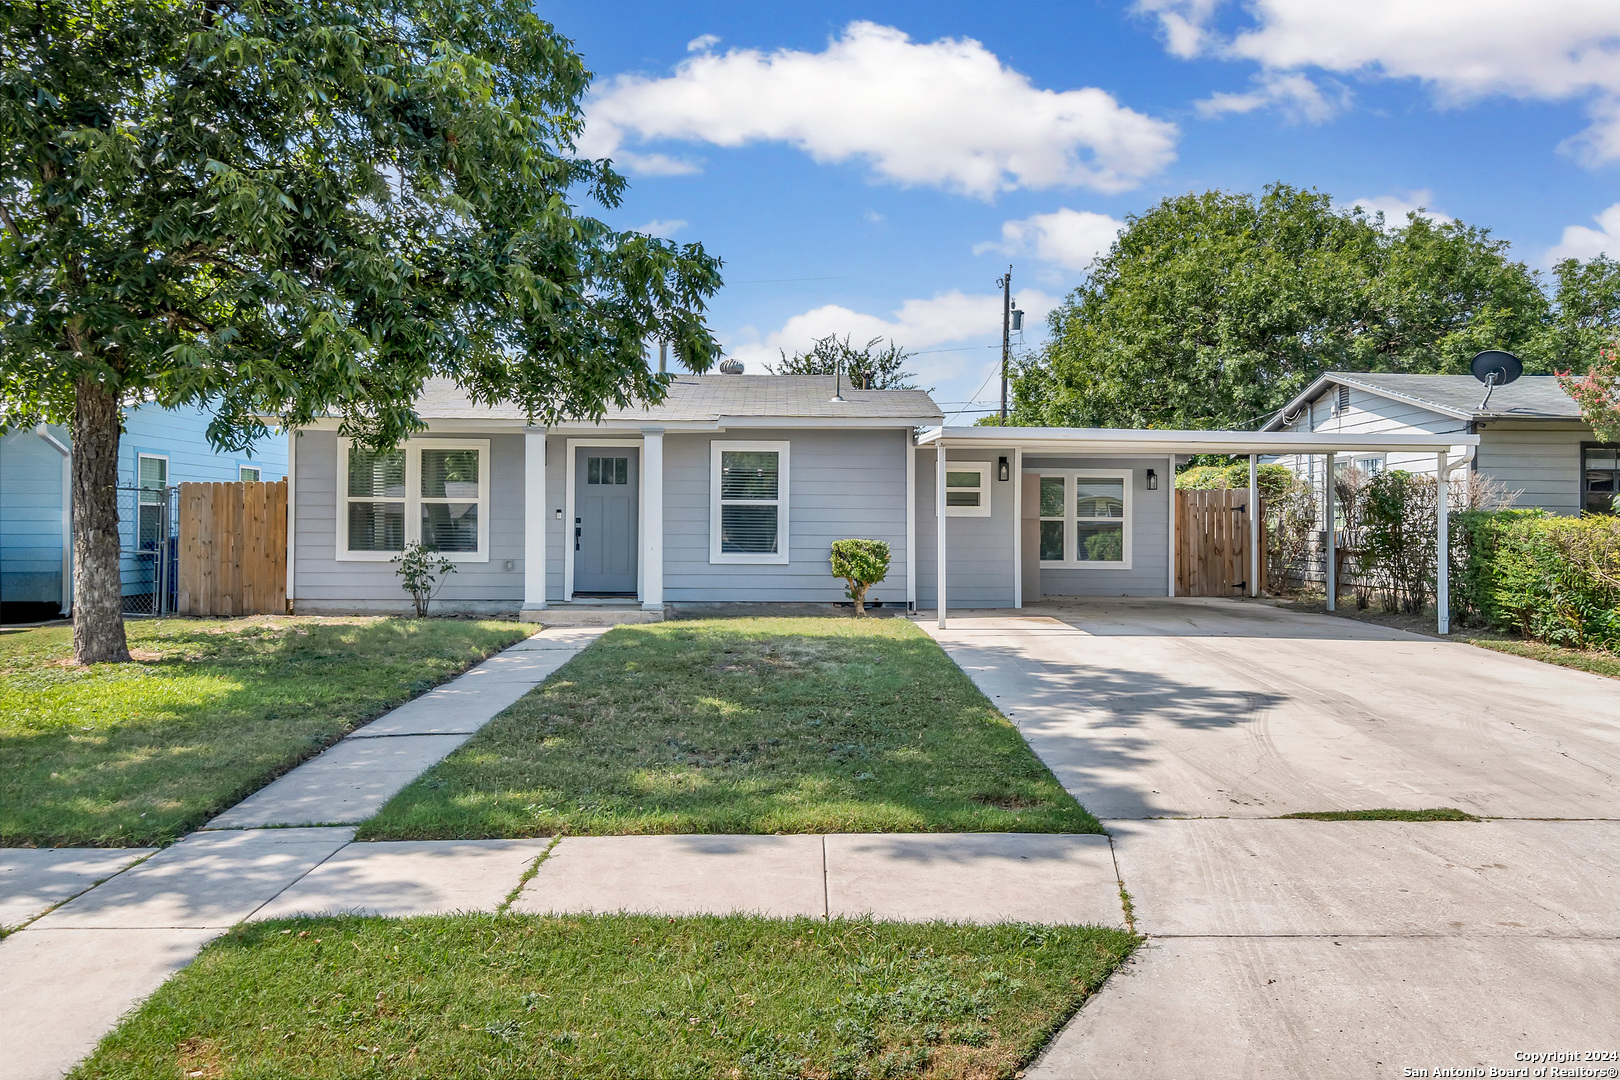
(1531, 436)
(733, 489)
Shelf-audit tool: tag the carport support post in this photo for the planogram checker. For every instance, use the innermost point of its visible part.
(1442, 543)
(1332, 539)
(1254, 525)
(939, 532)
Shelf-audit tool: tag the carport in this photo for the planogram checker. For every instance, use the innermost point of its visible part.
(1451, 451)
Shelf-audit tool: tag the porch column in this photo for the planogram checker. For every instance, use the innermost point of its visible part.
(652, 519)
(1442, 542)
(1170, 511)
(939, 529)
(1254, 525)
(534, 521)
(911, 520)
(1018, 526)
(1332, 539)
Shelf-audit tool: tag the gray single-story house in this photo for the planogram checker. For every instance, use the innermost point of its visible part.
(1532, 439)
(732, 490)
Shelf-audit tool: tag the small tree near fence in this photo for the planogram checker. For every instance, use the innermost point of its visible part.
(861, 563)
(422, 571)
(1396, 526)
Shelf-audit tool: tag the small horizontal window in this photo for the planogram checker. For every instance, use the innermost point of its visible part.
(967, 488)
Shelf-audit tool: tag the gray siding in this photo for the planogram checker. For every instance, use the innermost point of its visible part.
(322, 583)
(842, 484)
(979, 550)
(1542, 462)
(1149, 572)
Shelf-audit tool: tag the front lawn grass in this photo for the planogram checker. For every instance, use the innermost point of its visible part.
(211, 710)
(1589, 660)
(742, 726)
(613, 996)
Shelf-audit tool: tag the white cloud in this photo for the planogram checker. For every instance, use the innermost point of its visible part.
(945, 319)
(1067, 238)
(665, 230)
(1294, 95)
(1463, 49)
(945, 113)
(703, 43)
(1395, 207)
(1580, 242)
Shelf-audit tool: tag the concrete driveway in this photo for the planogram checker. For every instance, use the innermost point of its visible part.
(1345, 949)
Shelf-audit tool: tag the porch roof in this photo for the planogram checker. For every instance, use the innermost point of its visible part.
(1129, 442)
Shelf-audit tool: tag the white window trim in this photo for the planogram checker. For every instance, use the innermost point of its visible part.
(139, 457)
(783, 493)
(1070, 519)
(986, 473)
(413, 500)
(256, 468)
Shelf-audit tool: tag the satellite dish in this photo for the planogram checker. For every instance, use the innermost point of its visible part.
(1494, 368)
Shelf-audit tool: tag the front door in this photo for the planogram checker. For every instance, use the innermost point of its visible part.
(606, 487)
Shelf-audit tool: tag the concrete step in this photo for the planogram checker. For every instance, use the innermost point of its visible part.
(591, 615)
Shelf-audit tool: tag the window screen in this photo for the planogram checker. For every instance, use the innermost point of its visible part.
(450, 499)
(1099, 517)
(964, 487)
(376, 496)
(1601, 479)
(750, 502)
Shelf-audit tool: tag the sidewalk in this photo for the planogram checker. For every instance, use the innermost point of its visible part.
(72, 972)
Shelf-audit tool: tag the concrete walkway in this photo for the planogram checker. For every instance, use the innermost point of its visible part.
(71, 972)
(1280, 948)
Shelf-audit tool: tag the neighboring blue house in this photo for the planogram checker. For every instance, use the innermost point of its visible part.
(159, 448)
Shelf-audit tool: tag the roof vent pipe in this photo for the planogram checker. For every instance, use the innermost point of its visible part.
(731, 367)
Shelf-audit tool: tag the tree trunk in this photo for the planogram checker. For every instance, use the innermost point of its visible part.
(98, 602)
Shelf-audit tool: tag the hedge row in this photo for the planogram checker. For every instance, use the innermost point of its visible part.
(1552, 579)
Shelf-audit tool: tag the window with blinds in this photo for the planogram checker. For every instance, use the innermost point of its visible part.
(433, 492)
(152, 476)
(749, 512)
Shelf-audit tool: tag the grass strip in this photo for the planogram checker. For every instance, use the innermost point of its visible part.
(1597, 663)
(1439, 813)
(124, 755)
(742, 726)
(613, 996)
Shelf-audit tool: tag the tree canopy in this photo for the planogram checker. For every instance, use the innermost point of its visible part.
(299, 208)
(874, 366)
(1212, 309)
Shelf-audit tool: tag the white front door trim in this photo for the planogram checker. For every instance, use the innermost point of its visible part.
(568, 510)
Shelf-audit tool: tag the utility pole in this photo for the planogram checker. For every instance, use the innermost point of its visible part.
(1006, 337)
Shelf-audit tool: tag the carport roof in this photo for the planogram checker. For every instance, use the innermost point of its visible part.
(1124, 442)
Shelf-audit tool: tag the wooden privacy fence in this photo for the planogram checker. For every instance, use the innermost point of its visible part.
(1212, 543)
(233, 549)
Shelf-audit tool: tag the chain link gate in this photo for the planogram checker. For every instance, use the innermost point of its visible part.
(148, 549)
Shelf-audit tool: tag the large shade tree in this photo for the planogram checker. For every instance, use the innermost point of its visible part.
(1212, 309)
(287, 209)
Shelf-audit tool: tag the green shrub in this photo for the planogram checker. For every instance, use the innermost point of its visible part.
(1552, 579)
(1274, 480)
(862, 564)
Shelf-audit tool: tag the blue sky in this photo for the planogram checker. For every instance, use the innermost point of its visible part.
(872, 168)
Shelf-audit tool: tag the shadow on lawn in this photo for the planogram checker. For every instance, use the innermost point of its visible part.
(141, 753)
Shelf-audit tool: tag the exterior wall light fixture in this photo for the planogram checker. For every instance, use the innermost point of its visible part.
(1153, 480)
(1003, 470)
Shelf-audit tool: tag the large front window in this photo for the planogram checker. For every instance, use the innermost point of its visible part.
(434, 492)
(1085, 519)
(748, 512)
(1600, 479)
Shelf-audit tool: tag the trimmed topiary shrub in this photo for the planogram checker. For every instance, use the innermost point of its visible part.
(862, 564)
